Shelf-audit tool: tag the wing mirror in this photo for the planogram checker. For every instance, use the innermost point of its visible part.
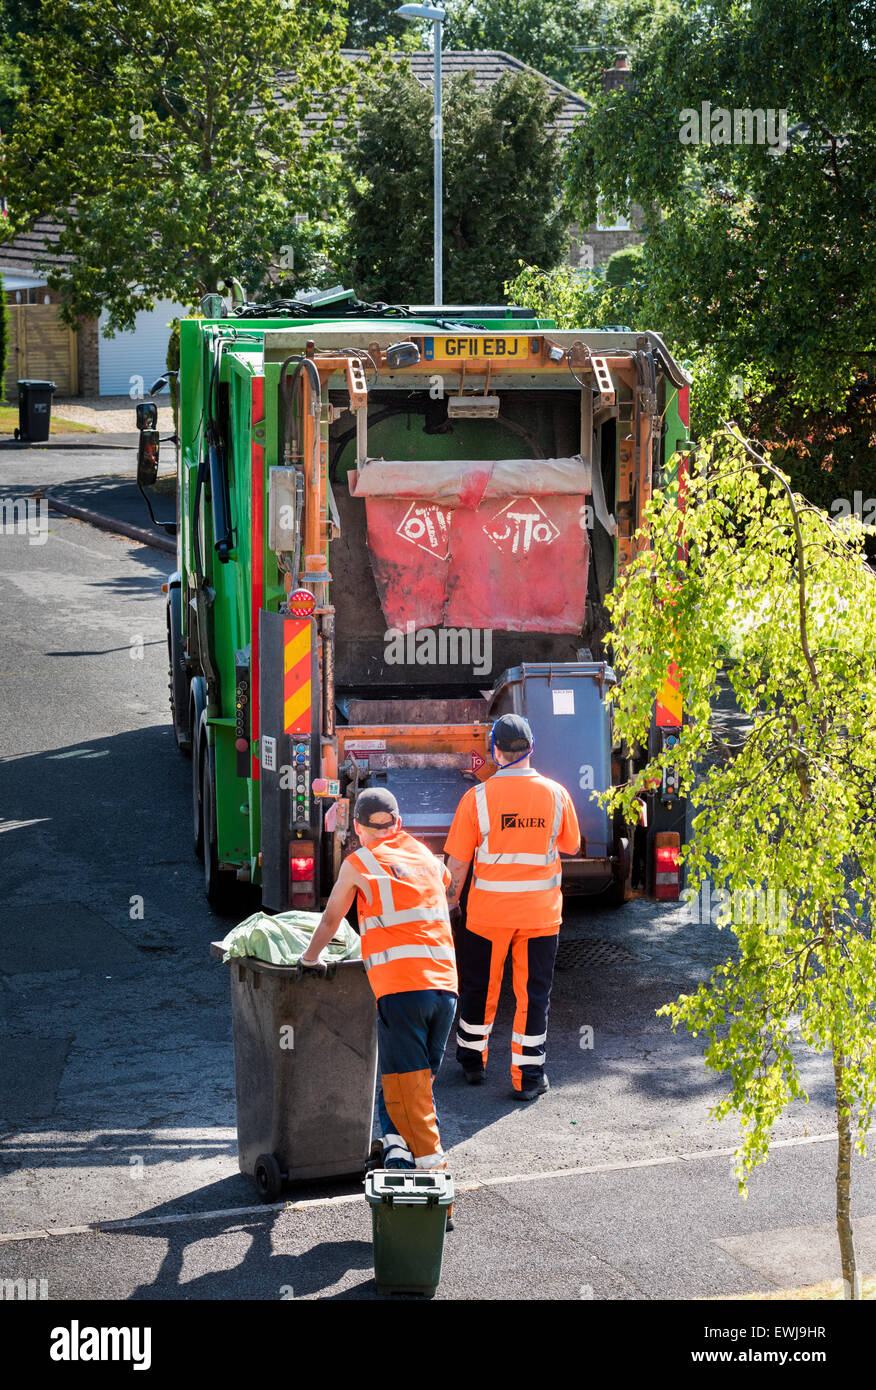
(147, 458)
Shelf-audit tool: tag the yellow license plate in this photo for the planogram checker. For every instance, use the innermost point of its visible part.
(509, 349)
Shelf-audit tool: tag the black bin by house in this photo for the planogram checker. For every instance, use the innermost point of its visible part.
(34, 410)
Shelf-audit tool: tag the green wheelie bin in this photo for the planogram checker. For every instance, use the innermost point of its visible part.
(409, 1209)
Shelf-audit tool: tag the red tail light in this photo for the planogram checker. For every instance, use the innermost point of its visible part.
(302, 874)
(667, 847)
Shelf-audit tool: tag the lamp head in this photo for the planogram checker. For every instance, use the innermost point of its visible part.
(432, 12)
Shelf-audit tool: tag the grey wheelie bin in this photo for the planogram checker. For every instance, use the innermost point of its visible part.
(305, 1066)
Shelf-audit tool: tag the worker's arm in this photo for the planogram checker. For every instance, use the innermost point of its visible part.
(569, 840)
(462, 839)
(337, 907)
(458, 873)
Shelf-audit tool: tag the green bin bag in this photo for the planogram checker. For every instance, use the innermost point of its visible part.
(284, 938)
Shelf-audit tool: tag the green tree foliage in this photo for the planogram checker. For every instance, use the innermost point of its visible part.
(624, 265)
(375, 21)
(16, 17)
(502, 188)
(546, 35)
(182, 151)
(572, 298)
(789, 814)
(753, 262)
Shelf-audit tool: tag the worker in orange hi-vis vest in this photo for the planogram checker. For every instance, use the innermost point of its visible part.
(408, 952)
(514, 825)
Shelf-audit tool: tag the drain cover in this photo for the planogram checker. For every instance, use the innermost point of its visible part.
(574, 955)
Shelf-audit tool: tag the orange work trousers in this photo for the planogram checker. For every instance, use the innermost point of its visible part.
(481, 952)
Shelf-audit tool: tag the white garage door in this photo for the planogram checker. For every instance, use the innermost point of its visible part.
(130, 362)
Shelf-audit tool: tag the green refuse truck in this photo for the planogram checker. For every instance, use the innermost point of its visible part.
(394, 524)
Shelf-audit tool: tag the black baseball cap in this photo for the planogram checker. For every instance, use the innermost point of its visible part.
(375, 801)
(512, 734)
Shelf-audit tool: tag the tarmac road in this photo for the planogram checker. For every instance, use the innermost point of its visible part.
(117, 1097)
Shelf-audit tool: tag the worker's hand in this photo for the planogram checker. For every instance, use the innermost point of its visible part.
(319, 967)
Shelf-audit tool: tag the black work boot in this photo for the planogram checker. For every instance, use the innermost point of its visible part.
(532, 1088)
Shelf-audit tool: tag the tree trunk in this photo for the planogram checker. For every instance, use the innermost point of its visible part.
(851, 1277)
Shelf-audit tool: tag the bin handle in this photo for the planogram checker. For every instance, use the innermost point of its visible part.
(331, 970)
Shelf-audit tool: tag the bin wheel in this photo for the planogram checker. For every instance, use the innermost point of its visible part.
(268, 1177)
(375, 1157)
(16, 433)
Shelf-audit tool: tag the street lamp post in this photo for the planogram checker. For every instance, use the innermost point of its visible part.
(436, 15)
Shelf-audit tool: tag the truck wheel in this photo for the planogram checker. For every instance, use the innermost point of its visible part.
(180, 704)
(616, 894)
(612, 897)
(197, 706)
(219, 885)
(199, 754)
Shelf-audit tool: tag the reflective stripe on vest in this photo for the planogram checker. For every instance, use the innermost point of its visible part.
(483, 855)
(400, 966)
(388, 915)
(401, 919)
(409, 953)
(517, 885)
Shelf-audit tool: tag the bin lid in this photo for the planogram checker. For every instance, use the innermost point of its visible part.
(555, 670)
(38, 385)
(410, 1187)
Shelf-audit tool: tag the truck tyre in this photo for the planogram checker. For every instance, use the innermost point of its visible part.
(220, 885)
(198, 756)
(614, 895)
(180, 703)
(199, 744)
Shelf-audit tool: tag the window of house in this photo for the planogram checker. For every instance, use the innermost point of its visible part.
(607, 224)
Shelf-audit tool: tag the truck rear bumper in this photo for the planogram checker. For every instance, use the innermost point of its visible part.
(586, 875)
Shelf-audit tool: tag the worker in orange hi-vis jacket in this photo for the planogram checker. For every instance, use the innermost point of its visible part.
(514, 825)
(408, 952)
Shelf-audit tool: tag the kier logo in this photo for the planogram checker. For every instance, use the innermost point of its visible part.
(512, 821)
(520, 525)
(428, 527)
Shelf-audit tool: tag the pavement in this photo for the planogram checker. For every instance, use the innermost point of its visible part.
(118, 1166)
(72, 442)
(95, 483)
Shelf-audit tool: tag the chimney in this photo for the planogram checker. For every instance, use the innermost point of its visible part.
(618, 76)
